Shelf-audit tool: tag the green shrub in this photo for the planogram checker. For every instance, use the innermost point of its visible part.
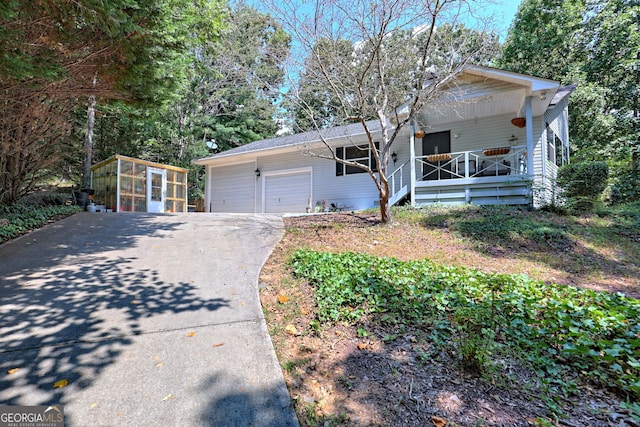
(19, 219)
(624, 188)
(586, 179)
(583, 184)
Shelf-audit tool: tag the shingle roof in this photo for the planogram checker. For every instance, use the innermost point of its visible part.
(298, 139)
(561, 93)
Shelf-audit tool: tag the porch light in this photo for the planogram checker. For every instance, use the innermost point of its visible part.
(257, 171)
(394, 157)
(419, 134)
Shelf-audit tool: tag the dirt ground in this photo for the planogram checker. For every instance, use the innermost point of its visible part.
(338, 375)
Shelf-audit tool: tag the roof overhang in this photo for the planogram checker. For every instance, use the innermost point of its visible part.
(479, 92)
(309, 142)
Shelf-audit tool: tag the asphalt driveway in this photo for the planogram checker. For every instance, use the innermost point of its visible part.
(154, 320)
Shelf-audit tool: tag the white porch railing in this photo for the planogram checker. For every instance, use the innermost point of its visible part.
(399, 183)
(465, 166)
(473, 164)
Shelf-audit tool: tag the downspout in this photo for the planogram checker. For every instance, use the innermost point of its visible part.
(412, 157)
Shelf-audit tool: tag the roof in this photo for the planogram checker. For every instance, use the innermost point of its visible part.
(512, 100)
(297, 139)
(563, 92)
(139, 161)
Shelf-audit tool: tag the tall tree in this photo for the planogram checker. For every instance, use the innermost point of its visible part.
(230, 97)
(597, 45)
(372, 60)
(51, 52)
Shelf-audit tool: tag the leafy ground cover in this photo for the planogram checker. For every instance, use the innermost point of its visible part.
(19, 219)
(370, 333)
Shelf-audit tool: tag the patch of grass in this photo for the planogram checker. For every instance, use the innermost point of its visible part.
(559, 330)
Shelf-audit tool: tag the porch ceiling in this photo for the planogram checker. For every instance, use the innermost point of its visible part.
(476, 97)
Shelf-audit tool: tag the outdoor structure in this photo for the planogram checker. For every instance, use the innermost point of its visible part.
(492, 137)
(125, 184)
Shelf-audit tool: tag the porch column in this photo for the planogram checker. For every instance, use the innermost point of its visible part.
(529, 135)
(412, 160)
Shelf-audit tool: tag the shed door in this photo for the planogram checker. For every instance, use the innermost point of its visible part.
(233, 188)
(287, 193)
(156, 189)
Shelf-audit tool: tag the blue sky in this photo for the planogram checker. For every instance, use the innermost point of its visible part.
(503, 11)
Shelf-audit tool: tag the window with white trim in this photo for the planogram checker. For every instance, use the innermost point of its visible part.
(355, 153)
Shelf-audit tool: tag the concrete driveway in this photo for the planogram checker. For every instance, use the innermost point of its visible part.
(154, 320)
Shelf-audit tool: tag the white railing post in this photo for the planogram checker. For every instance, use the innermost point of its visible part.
(412, 159)
(466, 164)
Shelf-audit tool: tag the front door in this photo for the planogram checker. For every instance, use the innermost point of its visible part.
(436, 143)
(156, 189)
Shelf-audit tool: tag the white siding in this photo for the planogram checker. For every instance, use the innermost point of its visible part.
(479, 134)
(351, 191)
(232, 188)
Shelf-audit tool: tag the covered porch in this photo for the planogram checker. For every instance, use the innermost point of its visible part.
(480, 141)
(488, 176)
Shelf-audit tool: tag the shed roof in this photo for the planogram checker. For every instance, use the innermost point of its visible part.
(139, 161)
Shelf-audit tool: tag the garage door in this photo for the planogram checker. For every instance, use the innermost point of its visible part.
(287, 193)
(233, 188)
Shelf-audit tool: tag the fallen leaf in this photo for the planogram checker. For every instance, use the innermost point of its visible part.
(13, 371)
(290, 329)
(438, 421)
(362, 346)
(220, 344)
(168, 396)
(135, 301)
(61, 383)
(283, 299)
(156, 358)
(191, 334)
(159, 365)
(93, 405)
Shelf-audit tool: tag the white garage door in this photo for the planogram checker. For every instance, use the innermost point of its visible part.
(233, 188)
(287, 193)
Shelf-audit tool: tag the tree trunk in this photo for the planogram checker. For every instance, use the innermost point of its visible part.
(385, 209)
(88, 139)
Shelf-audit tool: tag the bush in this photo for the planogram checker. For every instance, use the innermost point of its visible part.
(19, 219)
(583, 184)
(624, 188)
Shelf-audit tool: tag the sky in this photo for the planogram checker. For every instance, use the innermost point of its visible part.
(503, 11)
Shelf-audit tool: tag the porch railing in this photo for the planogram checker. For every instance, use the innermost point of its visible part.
(399, 182)
(473, 164)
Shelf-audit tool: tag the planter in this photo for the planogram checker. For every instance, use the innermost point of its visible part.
(500, 151)
(442, 157)
(519, 122)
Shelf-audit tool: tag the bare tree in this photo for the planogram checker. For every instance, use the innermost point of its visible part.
(376, 63)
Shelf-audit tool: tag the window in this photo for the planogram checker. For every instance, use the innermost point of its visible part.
(356, 153)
